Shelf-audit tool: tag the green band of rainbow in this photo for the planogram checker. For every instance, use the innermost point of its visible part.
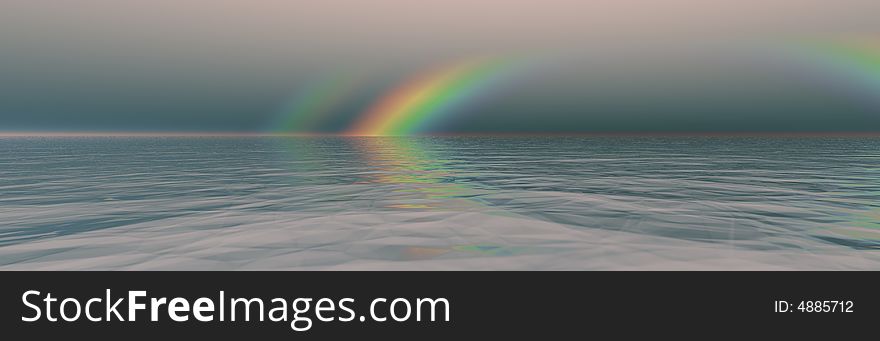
(314, 103)
(419, 102)
(856, 59)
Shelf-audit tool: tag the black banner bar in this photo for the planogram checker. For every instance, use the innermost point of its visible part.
(477, 304)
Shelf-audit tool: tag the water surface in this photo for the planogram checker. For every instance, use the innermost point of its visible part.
(439, 203)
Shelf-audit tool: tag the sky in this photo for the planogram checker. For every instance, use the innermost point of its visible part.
(454, 66)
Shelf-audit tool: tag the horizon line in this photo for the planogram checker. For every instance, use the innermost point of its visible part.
(467, 134)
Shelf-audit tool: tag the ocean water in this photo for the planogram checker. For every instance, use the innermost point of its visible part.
(522, 203)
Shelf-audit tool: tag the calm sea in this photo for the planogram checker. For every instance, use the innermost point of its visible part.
(439, 203)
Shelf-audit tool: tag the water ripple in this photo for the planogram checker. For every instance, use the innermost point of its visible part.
(452, 202)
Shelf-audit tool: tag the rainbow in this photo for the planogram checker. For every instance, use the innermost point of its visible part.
(419, 102)
(855, 60)
(315, 102)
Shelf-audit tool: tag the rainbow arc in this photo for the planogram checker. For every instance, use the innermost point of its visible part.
(854, 60)
(422, 101)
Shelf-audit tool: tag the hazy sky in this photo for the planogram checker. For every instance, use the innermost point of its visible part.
(616, 65)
